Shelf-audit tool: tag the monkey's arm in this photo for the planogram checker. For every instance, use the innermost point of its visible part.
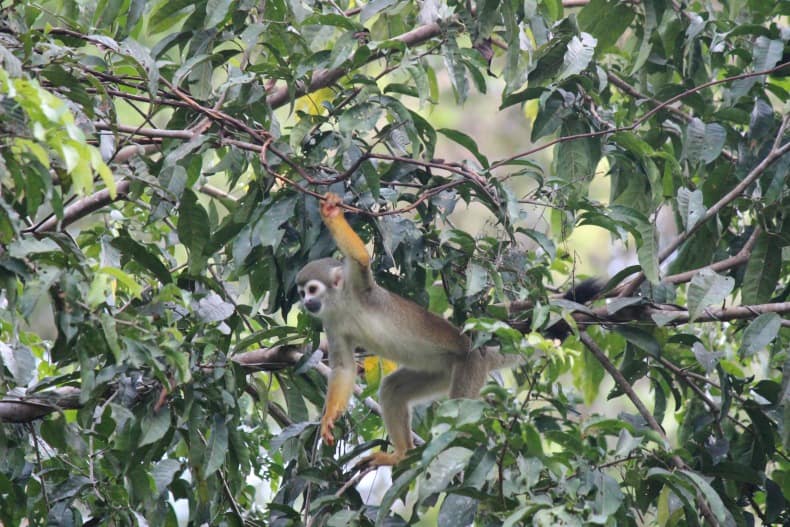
(341, 385)
(347, 240)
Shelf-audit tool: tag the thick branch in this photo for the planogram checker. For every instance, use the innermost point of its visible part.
(36, 406)
(81, 208)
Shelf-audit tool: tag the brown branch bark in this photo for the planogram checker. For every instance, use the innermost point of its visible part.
(325, 78)
(630, 90)
(722, 265)
(624, 385)
(37, 406)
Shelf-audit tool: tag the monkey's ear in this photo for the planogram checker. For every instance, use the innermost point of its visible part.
(337, 277)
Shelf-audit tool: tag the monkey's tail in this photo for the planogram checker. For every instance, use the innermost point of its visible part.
(584, 291)
(580, 293)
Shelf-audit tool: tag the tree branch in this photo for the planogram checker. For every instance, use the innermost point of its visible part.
(624, 385)
(39, 405)
(775, 154)
(636, 124)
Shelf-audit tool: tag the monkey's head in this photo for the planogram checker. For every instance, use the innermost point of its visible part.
(318, 284)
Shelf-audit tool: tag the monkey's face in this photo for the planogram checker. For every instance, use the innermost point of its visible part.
(319, 284)
(313, 294)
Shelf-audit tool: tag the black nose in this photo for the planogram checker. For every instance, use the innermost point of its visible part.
(313, 305)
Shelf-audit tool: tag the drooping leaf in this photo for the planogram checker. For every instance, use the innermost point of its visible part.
(762, 271)
(761, 332)
(217, 447)
(647, 252)
(707, 288)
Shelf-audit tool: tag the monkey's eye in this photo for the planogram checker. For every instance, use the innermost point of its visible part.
(301, 293)
(313, 289)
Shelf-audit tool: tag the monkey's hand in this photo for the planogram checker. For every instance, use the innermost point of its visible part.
(341, 386)
(330, 207)
(327, 425)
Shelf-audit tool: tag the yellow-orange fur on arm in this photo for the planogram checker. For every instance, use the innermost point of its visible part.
(349, 243)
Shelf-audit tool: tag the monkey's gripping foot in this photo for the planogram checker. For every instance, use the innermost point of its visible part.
(380, 459)
(330, 207)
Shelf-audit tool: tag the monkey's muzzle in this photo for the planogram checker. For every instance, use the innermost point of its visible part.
(313, 305)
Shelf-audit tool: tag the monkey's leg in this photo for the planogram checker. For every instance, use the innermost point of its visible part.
(398, 391)
(469, 375)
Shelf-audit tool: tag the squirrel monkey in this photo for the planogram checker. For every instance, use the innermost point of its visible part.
(434, 357)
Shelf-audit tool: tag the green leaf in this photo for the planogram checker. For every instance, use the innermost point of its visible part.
(217, 446)
(476, 278)
(363, 116)
(578, 55)
(370, 9)
(216, 11)
(467, 142)
(711, 496)
(142, 255)
(163, 473)
(647, 252)
(588, 375)
(294, 430)
(18, 360)
(268, 230)
(193, 224)
(154, 426)
(576, 159)
(690, 207)
(168, 13)
(760, 332)
(212, 308)
(127, 280)
(641, 339)
(443, 463)
(551, 114)
(7, 225)
(453, 61)
(398, 488)
(762, 270)
(705, 289)
(457, 510)
(541, 239)
(704, 142)
(524, 95)
(608, 496)
(606, 20)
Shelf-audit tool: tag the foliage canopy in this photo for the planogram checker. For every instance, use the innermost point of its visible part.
(160, 165)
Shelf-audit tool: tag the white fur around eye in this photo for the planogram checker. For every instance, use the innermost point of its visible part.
(314, 288)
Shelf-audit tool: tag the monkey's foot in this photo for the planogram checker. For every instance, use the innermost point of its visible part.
(380, 459)
(330, 206)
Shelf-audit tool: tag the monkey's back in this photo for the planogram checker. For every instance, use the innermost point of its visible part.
(405, 332)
